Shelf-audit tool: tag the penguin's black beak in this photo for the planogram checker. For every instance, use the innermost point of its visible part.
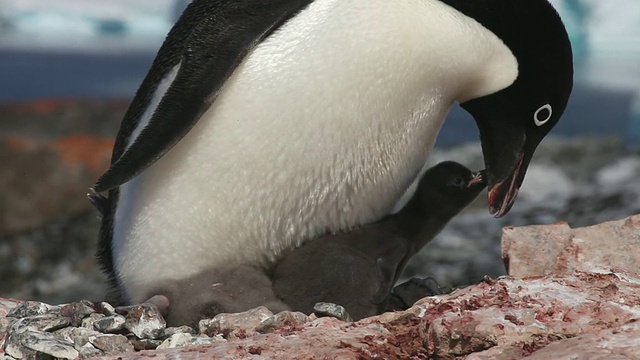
(507, 152)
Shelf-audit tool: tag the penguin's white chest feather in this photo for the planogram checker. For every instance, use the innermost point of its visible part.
(322, 128)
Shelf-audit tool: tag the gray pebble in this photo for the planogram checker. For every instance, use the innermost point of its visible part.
(107, 309)
(77, 311)
(14, 349)
(87, 351)
(231, 325)
(145, 344)
(283, 318)
(90, 320)
(143, 320)
(185, 339)
(111, 344)
(49, 344)
(170, 331)
(46, 322)
(322, 309)
(32, 308)
(77, 335)
(110, 324)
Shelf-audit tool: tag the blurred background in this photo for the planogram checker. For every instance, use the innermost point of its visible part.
(68, 69)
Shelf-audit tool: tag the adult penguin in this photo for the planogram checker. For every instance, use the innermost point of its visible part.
(262, 124)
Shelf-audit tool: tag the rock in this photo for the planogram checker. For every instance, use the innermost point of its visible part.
(145, 344)
(283, 321)
(557, 249)
(111, 344)
(618, 343)
(89, 351)
(322, 309)
(6, 305)
(587, 305)
(91, 319)
(40, 342)
(143, 320)
(110, 324)
(239, 325)
(185, 339)
(46, 322)
(32, 308)
(107, 309)
(77, 311)
(170, 331)
(528, 313)
(79, 336)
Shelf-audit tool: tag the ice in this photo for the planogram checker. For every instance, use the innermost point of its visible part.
(77, 24)
(596, 26)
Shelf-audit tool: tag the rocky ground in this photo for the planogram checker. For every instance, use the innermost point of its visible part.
(570, 295)
(52, 151)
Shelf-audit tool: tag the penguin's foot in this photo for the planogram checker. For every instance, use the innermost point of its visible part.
(407, 293)
(323, 309)
(161, 302)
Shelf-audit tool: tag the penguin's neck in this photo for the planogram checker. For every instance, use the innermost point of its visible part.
(418, 223)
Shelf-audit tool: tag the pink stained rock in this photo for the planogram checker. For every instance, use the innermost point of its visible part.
(540, 250)
(585, 303)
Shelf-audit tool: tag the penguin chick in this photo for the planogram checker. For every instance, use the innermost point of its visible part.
(217, 290)
(358, 269)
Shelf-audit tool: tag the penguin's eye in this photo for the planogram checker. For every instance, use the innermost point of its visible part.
(457, 182)
(542, 115)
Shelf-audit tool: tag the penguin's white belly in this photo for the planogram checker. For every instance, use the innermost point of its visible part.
(322, 128)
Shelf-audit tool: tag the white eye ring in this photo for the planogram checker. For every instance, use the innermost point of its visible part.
(540, 122)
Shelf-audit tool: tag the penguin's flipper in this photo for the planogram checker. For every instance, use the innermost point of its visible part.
(209, 51)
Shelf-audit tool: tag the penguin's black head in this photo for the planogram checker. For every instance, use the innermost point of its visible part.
(449, 187)
(514, 120)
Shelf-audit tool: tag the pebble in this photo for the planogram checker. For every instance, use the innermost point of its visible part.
(110, 324)
(77, 311)
(91, 319)
(107, 309)
(79, 336)
(235, 325)
(145, 344)
(170, 331)
(184, 339)
(111, 344)
(46, 322)
(143, 320)
(323, 309)
(47, 343)
(87, 351)
(290, 319)
(31, 308)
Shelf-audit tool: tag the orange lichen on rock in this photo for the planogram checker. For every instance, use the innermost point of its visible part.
(91, 151)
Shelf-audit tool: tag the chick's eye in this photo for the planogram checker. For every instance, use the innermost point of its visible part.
(542, 115)
(457, 182)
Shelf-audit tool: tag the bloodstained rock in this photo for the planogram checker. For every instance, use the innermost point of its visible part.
(557, 249)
